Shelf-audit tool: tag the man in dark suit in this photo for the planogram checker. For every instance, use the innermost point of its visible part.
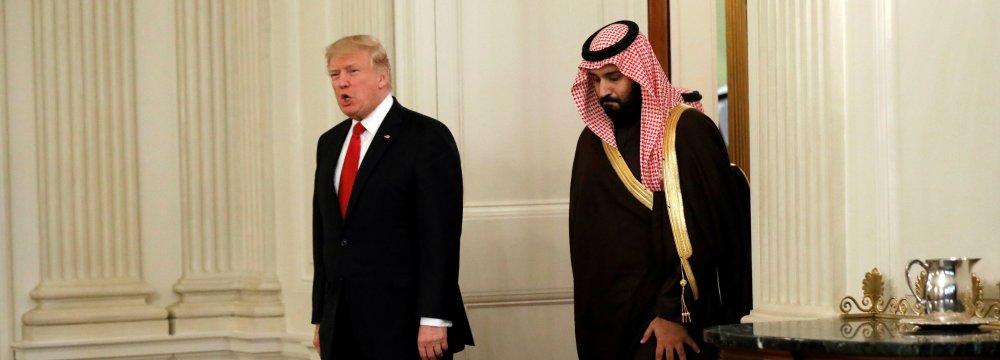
(387, 218)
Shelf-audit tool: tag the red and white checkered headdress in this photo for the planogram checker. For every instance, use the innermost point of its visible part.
(622, 44)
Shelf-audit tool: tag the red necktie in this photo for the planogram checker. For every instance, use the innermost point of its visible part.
(350, 168)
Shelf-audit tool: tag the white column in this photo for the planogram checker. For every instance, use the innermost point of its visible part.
(797, 153)
(824, 153)
(370, 17)
(229, 280)
(415, 75)
(872, 146)
(90, 285)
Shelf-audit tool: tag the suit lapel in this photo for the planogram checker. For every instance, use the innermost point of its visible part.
(383, 138)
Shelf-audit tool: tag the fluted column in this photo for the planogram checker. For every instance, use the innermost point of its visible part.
(823, 140)
(797, 153)
(229, 280)
(91, 284)
(415, 73)
(371, 17)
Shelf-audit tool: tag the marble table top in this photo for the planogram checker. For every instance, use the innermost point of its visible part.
(876, 337)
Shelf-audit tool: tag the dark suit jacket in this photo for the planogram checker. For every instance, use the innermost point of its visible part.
(394, 256)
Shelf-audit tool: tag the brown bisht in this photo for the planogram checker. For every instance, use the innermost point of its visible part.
(625, 265)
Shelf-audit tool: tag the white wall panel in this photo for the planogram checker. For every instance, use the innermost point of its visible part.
(693, 50)
(527, 332)
(947, 135)
(508, 100)
(515, 250)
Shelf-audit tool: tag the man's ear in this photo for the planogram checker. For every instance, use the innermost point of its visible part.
(383, 79)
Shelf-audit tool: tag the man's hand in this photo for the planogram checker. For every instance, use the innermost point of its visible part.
(316, 340)
(432, 341)
(670, 337)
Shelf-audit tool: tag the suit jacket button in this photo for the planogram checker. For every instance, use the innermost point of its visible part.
(343, 242)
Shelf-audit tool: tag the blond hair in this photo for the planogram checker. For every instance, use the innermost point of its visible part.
(352, 44)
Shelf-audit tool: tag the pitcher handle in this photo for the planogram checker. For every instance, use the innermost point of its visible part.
(909, 282)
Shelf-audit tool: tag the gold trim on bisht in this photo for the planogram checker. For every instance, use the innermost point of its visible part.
(639, 191)
(675, 205)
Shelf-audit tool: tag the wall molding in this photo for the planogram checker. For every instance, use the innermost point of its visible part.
(495, 299)
(487, 211)
(515, 209)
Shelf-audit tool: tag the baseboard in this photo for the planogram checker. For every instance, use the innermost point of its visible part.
(231, 345)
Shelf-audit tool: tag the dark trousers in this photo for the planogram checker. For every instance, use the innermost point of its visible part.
(345, 344)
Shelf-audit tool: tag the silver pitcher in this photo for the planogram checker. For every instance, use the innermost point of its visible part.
(947, 294)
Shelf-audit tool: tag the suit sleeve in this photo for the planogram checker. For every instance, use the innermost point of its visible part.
(319, 273)
(438, 193)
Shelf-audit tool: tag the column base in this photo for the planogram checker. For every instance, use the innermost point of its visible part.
(91, 331)
(227, 303)
(93, 310)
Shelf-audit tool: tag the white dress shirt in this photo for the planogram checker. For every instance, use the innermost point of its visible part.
(371, 123)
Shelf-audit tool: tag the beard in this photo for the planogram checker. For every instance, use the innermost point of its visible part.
(627, 111)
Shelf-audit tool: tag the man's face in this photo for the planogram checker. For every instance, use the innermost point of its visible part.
(613, 89)
(358, 85)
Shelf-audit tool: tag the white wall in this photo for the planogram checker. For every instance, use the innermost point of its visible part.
(855, 163)
(870, 144)
(947, 132)
(693, 37)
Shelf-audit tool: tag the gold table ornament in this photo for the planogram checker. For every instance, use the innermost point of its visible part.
(991, 312)
(874, 305)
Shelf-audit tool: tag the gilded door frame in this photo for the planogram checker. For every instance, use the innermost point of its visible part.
(736, 66)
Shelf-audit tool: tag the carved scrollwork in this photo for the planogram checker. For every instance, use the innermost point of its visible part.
(849, 303)
(871, 330)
